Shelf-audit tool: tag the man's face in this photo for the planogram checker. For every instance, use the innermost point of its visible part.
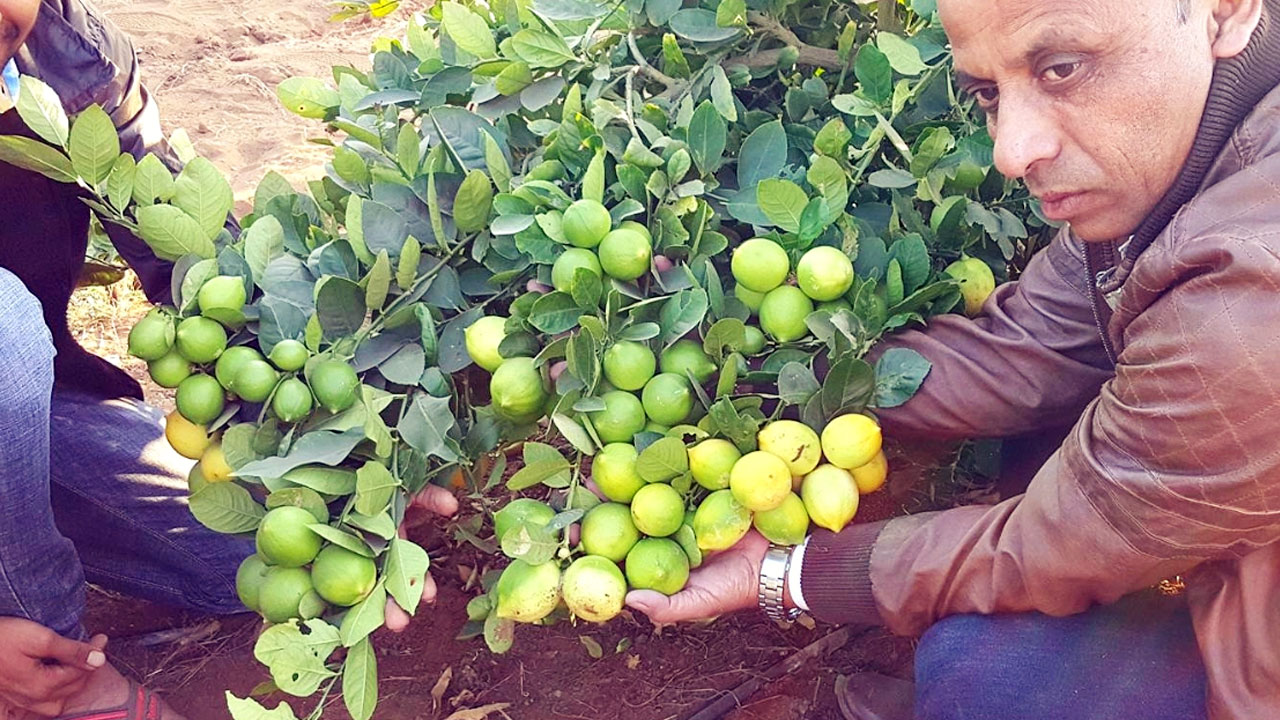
(1094, 103)
(16, 19)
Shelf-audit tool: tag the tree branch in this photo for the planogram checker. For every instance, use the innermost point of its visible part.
(810, 55)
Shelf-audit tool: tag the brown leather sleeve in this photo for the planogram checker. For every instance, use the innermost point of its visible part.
(1175, 462)
(1032, 360)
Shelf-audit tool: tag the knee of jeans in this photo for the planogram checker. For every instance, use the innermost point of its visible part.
(23, 332)
(948, 661)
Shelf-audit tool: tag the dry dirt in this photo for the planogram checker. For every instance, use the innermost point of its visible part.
(214, 66)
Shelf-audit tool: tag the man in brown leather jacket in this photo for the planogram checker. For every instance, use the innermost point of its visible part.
(1152, 128)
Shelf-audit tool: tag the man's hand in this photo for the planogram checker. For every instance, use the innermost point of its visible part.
(40, 669)
(726, 582)
(433, 500)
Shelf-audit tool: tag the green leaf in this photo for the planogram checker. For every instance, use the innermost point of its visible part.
(663, 461)
(708, 134)
(152, 181)
(496, 163)
(41, 110)
(364, 618)
(903, 57)
(783, 202)
(673, 60)
(848, 387)
(499, 633)
(340, 306)
(374, 486)
(263, 242)
(538, 472)
(120, 181)
(204, 194)
(93, 145)
(913, 257)
(515, 77)
(722, 92)
(899, 373)
(555, 313)
(300, 497)
(700, 25)
(574, 433)
(250, 709)
(378, 282)
(308, 97)
(875, 73)
(407, 266)
(681, 313)
(728, 333)
(532, 543)
(425, 427)
(473, 203)
(934, 143)
(319, 447)
(593, 179)
(405, 571)
(541, 49)
(360, 681)
(468, 30)
(33, 155)
(731, 14)
(171, 233)
(593, 648)
(763, 154)
(196, 276)
(408, 152)
(660, 11)
(226, 508)
(796, 383)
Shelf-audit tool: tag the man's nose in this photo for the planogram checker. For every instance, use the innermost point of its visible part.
(1026, 133)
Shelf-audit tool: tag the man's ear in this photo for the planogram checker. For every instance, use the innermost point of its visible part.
(16, 19)
(1231, 25)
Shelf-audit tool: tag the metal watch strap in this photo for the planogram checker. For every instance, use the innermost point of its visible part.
(773, 582)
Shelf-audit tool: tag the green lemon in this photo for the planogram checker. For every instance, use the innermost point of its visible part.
(594, 588)
(224, 292)
(608, 530)
(585, 223)
(942, 209)
(625, 254)
(517, 391)
(658, 428)
(749, 297)
(568, 263)
(657, 510)
(255, 380)
(335, 385)
(786, 524)
(200, 339)
(830, 497)
(667, 398)
(796, 443)
(968, 176)
(621, 419)
(687, 356)
(527, 593)
(289, 355)
(614, 471)
(760, 264)
(342, 577)
(851, 440)
(482, 340)
(231, 361)
(249, 578)
(720, 521)
(977, 282)
(151, 338)
(169, 370)
(824, 273)
(282, 592)
(628, 365)
(292, 401)
(284, 538)
(754, 343)
(518, 512)
(199, 398)
(638, 227)
(657, 564)
(711, 460)
(760, 480)
(783, 312)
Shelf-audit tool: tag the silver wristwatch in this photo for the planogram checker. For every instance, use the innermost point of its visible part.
(773, 581)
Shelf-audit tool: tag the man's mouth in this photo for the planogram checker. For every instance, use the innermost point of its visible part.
(1061, 206)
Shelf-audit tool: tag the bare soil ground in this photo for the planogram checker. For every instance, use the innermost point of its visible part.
(214, 66)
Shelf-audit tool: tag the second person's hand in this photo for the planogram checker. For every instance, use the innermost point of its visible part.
(726, 582)
(433, 500)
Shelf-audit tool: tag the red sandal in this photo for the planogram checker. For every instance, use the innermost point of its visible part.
(141, 705)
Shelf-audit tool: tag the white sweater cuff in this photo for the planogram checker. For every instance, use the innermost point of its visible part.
(793, 575)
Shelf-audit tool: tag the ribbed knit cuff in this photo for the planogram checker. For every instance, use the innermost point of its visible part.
(836, 575)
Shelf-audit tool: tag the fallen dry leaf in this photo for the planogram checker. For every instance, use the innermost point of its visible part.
(479, 713)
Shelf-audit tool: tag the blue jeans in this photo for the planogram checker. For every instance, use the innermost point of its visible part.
(1134, 660)
(90, 489)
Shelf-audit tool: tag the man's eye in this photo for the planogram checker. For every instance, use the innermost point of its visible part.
(986, 96)
(1060, 71)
